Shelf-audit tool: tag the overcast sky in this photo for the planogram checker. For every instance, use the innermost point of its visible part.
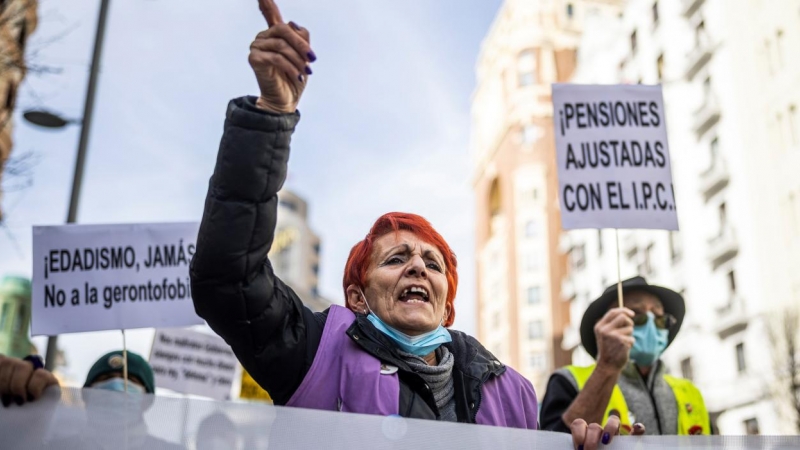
(385, 123)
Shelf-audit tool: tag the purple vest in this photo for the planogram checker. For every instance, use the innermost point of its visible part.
(343, 377)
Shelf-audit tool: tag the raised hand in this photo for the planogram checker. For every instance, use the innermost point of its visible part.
(614, 334)
(280, 58)
(590, 436)
(20, 382)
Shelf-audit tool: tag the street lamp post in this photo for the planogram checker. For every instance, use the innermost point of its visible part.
(50, 120)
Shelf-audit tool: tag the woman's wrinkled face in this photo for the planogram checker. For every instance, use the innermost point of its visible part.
(406, 286)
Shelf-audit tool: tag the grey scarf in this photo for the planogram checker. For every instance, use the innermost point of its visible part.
(439, 378)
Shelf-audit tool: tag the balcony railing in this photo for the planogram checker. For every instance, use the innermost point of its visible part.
(706, 116)
(715, 178)
(691, 6)
(723, 247)
(698, 57)
(731, 318)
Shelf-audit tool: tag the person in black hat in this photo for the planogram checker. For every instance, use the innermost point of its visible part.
(628, 380)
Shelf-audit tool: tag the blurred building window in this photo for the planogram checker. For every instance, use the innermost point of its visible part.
(714, 150)
(633, 42)
(531, 262)
(732, 282)
(535, 330)
(530, 134)
(4, 315)
(291, 206)
(599, 242)
(660, 67)
(647, 261)
(794, 130)
(530, 228)
(700, 36)
(496, 320)
(751, 426)
(526, 67)
(655, 13)
(534, 295)
(741, 364)
(570, 10)
(722, 213)
(578, 256)
(675, 249)
(20, 320)
(686, 369)
(537, 361)
(779, 47)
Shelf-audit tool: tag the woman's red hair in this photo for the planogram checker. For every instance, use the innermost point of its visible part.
(355, 271)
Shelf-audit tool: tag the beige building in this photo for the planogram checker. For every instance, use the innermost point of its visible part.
(17, 21)
(521, 314)
(295, 250)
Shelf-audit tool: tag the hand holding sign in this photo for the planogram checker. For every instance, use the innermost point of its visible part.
(279, 57)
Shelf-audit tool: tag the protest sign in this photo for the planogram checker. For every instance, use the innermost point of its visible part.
(106, 277)
(194, 363)
(613, 158)
(251, 390)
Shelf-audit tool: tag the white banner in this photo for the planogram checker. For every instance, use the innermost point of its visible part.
(194, 363)
(92, 418)
(107, 277)
(613, 158)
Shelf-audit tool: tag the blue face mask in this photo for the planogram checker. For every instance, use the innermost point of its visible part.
(118, 385)
(420, 345)
(649, 343)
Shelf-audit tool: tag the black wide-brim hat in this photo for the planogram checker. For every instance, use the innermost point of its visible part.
(672, 301)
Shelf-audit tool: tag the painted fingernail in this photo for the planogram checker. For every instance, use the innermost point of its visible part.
(18, 400)
(638, 426)
(606, 438)
(30, 398)
(580, 447)
(6, 400)
(300, 78)
(294, 25)
(308, 70)
(311, 56)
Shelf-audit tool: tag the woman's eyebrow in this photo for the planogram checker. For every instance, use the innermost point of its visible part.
(406, 249)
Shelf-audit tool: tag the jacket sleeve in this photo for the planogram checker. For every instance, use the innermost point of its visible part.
(557, 399)
(233, 285)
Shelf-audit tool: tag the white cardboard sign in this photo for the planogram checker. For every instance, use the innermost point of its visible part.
(111, 277)
(613, 158)
(194, 363)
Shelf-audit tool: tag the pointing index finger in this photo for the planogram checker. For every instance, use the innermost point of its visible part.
(270, 11)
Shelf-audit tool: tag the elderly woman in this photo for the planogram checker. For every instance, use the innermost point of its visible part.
(389, 351)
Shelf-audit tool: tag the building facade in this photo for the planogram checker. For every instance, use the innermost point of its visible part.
(730, 90)
(295, 250)
(520, 267)
(18, 19)
(15, 317)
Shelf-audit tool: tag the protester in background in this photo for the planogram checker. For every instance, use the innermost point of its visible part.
(389, 351)
(628, 381)
(26, 379)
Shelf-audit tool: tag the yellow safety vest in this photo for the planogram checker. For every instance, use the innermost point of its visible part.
(692, 413)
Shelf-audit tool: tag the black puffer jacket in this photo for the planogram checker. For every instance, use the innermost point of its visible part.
(235, 290)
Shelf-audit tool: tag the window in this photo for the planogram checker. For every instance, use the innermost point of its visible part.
(633, 42)
(570, 10)
(530, 134)
(686, 369)
(291, 206)
(530, 228)
(741, 364)
(19, 323)
(315, 269)
(723, 217)
(731, 282)
(751, 426)
(578, 256)
(526, 68)
(4, 315)
(496, 320)
(700, 34)
(779, 47)
(538, 361)
(674, 246)
(655, 13)
(647, 261)
(794, 131)
(531, 262)
(714, 150)
(660, 67)
(534, 295)
(535, 330)
(599, 242)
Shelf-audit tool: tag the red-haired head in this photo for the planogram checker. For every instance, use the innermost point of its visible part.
(358, 263)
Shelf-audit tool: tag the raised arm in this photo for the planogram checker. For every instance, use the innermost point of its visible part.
(233, 285)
